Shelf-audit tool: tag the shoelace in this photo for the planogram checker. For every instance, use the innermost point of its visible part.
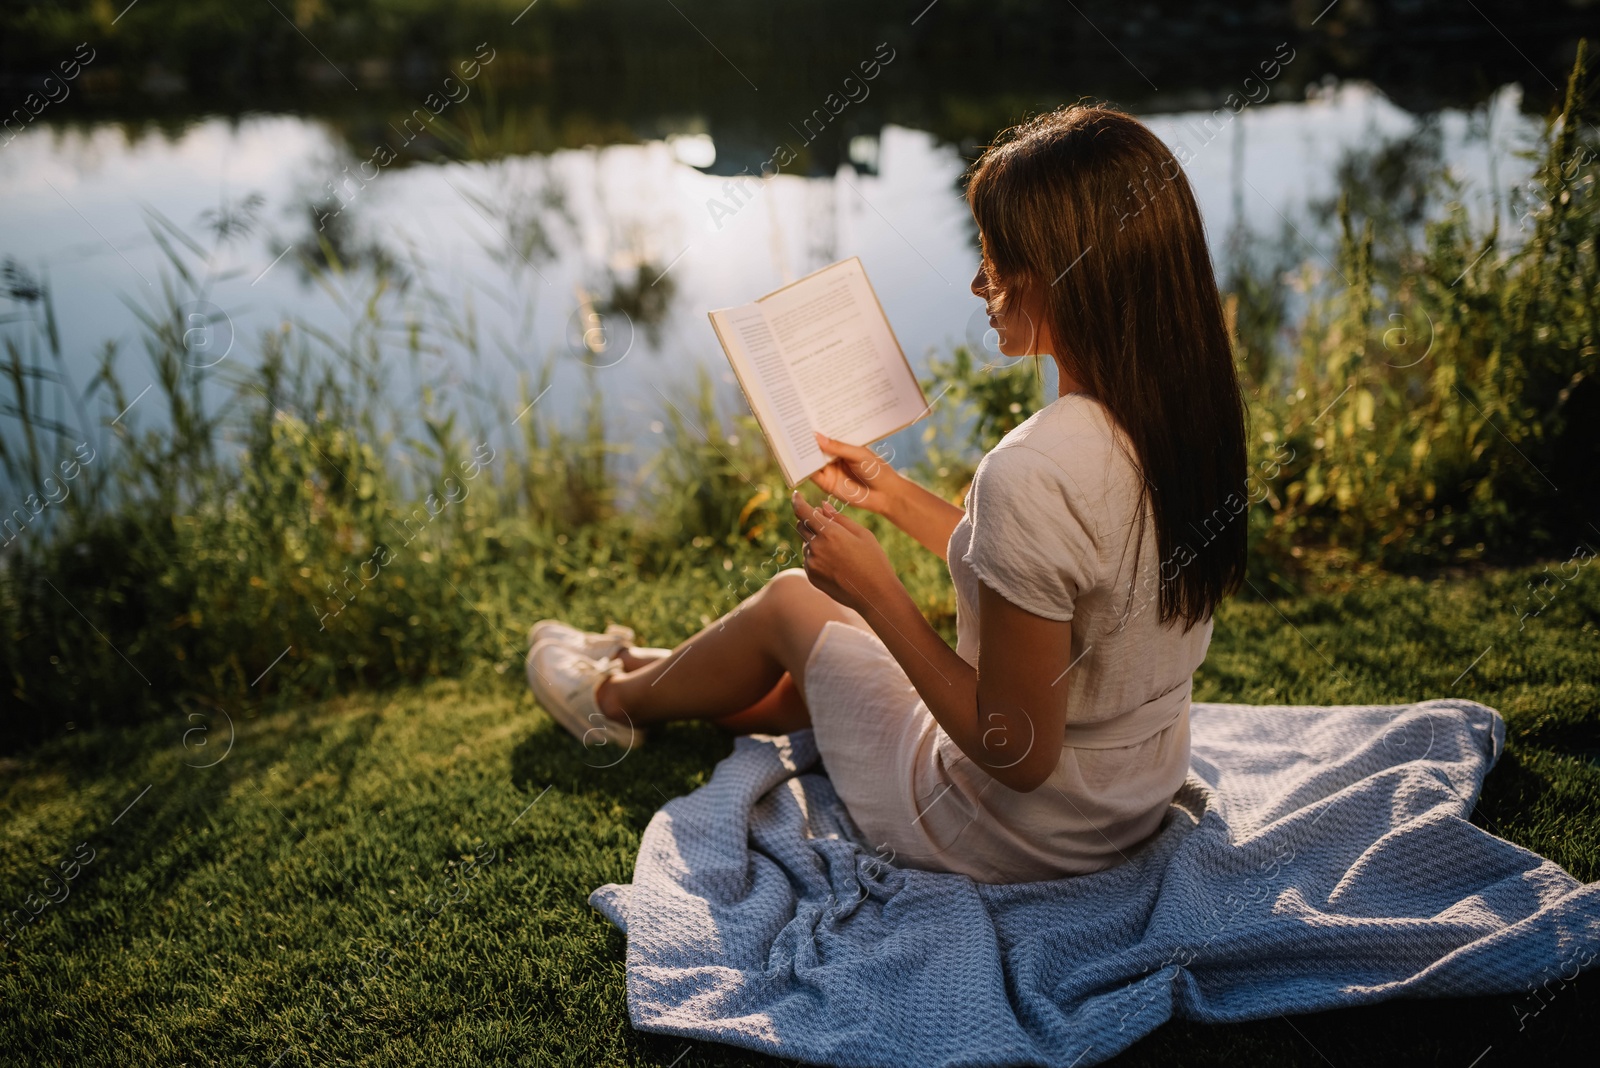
(591, 679)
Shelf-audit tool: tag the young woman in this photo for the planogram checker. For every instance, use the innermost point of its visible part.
(1097, 540)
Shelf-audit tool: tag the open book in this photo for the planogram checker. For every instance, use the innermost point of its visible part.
(818, 354)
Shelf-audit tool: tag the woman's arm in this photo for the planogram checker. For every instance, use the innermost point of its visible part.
(1008, 714)
(861, 477)
(924, 515)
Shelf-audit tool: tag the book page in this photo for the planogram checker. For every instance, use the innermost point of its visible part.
(819, 354)
(772, 394)
(844, 360)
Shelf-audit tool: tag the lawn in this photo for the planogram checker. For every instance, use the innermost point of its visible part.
(400, 878)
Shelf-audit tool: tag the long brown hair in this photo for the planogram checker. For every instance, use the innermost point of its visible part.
(1087, 207)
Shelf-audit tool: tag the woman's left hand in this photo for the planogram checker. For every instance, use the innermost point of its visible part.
(842, 558)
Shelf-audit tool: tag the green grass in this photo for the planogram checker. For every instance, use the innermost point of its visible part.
(226, 916)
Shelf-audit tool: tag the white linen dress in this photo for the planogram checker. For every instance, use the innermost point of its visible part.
(1051, 525)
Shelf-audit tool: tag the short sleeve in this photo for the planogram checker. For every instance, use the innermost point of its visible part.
(1031, 541)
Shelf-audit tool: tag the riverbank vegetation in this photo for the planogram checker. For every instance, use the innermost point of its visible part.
(1424, 400)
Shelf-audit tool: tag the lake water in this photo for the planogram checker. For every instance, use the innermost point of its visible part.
(645, 217)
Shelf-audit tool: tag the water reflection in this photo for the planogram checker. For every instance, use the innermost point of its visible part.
(525, 257)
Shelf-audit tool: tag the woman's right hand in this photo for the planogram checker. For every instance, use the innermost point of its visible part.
(857, 476)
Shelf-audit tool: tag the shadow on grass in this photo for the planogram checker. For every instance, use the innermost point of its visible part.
(1511, 789)
(1484, 1032)
(676, 759)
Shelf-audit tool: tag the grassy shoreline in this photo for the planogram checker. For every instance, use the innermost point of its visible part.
(233, 912)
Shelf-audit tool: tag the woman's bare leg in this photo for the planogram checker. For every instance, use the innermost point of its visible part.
(779, 712)
(634, 659)
(734, 663)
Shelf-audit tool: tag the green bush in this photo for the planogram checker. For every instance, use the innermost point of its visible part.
(1442, 411)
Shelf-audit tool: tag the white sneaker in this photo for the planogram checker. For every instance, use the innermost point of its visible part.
(594, 646)
(563, 681)
(612, 642)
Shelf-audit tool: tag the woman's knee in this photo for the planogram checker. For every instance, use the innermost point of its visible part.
(791, 582)
(786, 595)
(794, 597)
(788, 591)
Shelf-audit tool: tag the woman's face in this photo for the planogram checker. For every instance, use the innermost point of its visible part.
(1011, 316)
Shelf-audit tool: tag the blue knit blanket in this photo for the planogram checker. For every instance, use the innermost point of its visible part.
(1315, 858)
